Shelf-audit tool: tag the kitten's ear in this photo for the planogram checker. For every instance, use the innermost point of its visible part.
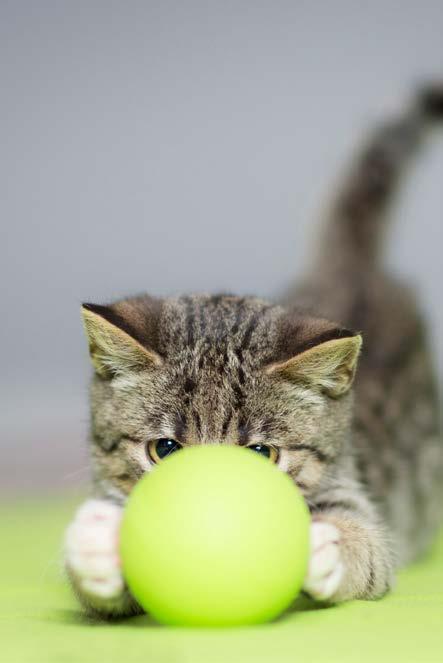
(329, 366)
(112, 349)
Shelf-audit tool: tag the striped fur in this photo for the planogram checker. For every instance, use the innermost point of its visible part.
(237, 370)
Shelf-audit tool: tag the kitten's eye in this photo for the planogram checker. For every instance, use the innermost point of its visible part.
(159, 449)
(265, 450)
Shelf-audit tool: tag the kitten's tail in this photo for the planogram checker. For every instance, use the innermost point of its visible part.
(355, 227)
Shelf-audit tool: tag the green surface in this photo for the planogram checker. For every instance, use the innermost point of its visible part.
(40, 620)
(216, 535)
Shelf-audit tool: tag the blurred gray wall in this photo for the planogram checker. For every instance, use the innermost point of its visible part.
(169, 146)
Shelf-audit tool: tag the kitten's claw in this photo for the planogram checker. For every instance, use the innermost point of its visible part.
(91, 545)
(326, 568)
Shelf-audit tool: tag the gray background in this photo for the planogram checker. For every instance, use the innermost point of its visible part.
(169, 146)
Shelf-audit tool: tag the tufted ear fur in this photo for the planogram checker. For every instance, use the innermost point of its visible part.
(112, 349)
(329, 366)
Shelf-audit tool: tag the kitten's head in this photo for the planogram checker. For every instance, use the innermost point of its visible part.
(216, 369)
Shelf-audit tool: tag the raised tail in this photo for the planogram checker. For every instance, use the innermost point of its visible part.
(355, 226)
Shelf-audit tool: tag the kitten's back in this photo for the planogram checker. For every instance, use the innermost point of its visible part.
(397, 422)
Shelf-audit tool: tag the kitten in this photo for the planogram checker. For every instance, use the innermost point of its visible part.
(278, 378)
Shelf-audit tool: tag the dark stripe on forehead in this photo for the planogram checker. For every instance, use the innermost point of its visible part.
(189, 385)
(246, 340)
(255, 319)
(243, 433)
(239, 396)
(180, 426)
(226, 422)
(239, 314)
(189, 317)
(198, 423)
(201, 320)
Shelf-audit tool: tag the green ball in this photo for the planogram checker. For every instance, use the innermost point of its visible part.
(215, 535)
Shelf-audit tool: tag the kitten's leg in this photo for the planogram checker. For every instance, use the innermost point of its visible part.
(92, 560)
(350, 554)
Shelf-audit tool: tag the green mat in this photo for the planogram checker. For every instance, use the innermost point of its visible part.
(40, 620)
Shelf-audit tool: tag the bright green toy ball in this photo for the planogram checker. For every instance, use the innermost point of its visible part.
(215, 536)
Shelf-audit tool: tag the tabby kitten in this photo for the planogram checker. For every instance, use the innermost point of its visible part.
(277, 378)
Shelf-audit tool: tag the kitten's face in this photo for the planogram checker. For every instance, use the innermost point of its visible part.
(223, 374)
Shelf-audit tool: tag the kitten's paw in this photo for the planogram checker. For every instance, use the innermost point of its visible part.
(91, 545)
(326, 568)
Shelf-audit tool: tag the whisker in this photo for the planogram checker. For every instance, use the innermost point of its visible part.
(75, 473)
